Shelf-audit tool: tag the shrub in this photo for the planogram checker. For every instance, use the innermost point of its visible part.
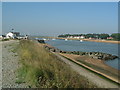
(5, 39)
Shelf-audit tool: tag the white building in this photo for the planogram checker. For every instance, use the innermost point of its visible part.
(22, 37)
(10, 35)
(1, 37)
(77, 37)
(70, 37)
(82, 37)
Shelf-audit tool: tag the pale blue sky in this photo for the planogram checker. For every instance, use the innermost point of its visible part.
(0, 18)
(59, 18)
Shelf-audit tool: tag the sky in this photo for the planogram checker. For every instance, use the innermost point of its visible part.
(0, 18)
(55, 18)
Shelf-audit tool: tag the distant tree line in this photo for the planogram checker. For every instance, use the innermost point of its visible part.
(115, 36)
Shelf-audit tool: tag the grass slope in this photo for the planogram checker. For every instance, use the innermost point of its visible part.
(42, 69)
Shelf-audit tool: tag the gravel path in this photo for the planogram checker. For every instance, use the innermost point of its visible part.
(100, 82)
(10, 64)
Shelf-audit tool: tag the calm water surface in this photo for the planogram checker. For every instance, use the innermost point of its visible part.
(75, 45)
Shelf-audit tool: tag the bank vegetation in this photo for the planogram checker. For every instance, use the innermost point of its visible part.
(40, 68)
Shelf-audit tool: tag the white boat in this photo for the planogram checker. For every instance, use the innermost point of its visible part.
(36, 38)
(53, 39)
(81, 40)
(44, 39)
(65, 39)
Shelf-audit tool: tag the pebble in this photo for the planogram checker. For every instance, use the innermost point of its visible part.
(9, 66)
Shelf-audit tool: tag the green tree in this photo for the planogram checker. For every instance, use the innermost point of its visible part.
(104, 36)
(116, 36)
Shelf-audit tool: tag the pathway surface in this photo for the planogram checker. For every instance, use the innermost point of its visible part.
(100, 82)
(10, 64)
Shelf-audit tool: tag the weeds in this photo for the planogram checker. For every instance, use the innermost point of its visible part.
(5, 39)
(42, 69)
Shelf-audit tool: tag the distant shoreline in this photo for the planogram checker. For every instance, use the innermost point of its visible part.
(106, 41)
(92, 40)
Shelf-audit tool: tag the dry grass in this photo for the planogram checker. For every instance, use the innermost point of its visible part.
(42, 69)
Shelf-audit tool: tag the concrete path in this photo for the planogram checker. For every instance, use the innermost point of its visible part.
(100, 82)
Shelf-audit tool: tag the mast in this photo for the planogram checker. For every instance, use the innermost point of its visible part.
(12, 29)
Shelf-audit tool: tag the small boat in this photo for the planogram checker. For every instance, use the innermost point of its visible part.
(65, 39)
(36, 38)
(53, 39)
(44, 39)
(81, 40)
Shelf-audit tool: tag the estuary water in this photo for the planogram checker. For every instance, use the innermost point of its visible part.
(87, 46)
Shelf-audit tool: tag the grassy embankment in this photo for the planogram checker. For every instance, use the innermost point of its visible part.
(41, 68)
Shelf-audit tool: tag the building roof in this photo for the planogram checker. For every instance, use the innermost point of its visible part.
(15, 32)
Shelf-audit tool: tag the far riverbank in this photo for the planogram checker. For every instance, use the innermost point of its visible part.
(94, 40)
(106, 41)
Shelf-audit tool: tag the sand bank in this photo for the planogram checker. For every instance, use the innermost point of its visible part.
(94, 40)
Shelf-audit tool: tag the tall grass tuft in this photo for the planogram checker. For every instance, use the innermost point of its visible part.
(42, 69)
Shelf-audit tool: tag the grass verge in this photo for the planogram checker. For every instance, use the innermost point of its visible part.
(42, 69)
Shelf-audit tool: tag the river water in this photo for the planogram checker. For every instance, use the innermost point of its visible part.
(87, 46)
